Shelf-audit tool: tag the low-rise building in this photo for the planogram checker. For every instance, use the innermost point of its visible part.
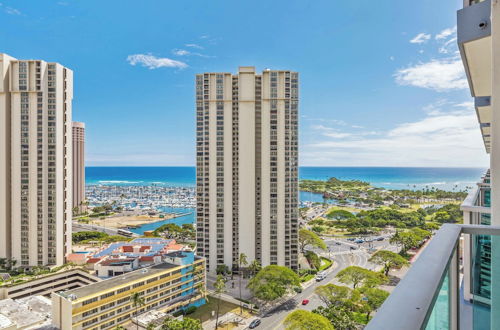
(46, 284)
(27, 313)
(175, 284)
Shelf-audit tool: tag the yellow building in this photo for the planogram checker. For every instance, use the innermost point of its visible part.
(171, 286)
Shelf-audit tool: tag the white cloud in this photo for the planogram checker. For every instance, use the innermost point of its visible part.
(438, 74)
(153, 62)
(392, 58)
(10, 10)
(181, 52)
(446, 139)
(420, 38)
(194, 46)
(446, 33)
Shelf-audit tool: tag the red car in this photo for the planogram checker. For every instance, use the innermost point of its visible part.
(305, 302)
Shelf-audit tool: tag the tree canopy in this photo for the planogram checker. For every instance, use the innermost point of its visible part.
(273, 282)
(389, 260)
(308, 238)
(336, 295)
(305, 320)
(185, 324)
(355, 275)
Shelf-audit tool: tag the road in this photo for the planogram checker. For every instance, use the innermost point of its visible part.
(84, 227)
(343, 256)
(273, 319)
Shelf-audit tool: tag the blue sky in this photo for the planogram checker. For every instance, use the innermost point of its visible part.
(381, 82)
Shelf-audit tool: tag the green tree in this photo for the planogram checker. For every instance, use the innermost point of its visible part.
(273, 282)
(171, 230)
(389, 260)
(337, 295)
(137, 301)
(355, 275)
(305, 320)
(220, 288)
(313, 259)
(222, 270)
(340, 215)
(407, 241)
(339, 317)
(373, 299)
(254, 267)
(242, 261)
(307, 237)
(431, 226)
(185, 324)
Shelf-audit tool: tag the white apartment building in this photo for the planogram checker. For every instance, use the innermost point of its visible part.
(35, 161)
(78, 165)
(247, 167)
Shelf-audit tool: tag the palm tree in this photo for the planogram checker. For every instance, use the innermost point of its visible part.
(254, 267)
(193, 272)
(242, 261)
(137, 301)
(220, 287)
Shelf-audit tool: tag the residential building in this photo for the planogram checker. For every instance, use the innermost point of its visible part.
(175, 284)
(247, 167)
(78, 165)
(455, 284)
(35, 161)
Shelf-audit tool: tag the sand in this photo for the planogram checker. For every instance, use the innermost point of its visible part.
(128, 220)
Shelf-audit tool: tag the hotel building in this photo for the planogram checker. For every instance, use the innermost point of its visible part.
(78, 164)
(455, 283)
(35, 161)
(168, 287)
(247, 167)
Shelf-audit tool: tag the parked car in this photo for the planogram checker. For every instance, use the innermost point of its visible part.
(359, 241)
(351, 239)
(305, 302)
(353, 248)
(255, 323)
(338, 243)
(380, 239)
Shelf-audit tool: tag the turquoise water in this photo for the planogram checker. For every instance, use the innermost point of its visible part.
(387, 177)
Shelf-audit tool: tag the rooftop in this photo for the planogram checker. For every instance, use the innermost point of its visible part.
(26, 312)
(117, 281)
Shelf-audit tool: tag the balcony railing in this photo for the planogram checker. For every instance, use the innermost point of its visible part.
(429, 296)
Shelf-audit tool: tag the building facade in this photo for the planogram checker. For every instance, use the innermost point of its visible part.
(35, 161)
(454, 284)
(177, 283)
(78, 165)
(247, 167)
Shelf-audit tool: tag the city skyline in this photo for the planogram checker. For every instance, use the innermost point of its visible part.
(361, 108)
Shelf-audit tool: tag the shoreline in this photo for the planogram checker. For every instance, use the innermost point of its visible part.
(134, 221)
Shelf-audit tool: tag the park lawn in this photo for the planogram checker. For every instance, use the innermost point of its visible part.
(345, 208)
(326, 263)
(204, 313)
(307, 277)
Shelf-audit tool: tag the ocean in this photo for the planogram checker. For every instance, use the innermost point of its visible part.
(387, 177)
(453, 179)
